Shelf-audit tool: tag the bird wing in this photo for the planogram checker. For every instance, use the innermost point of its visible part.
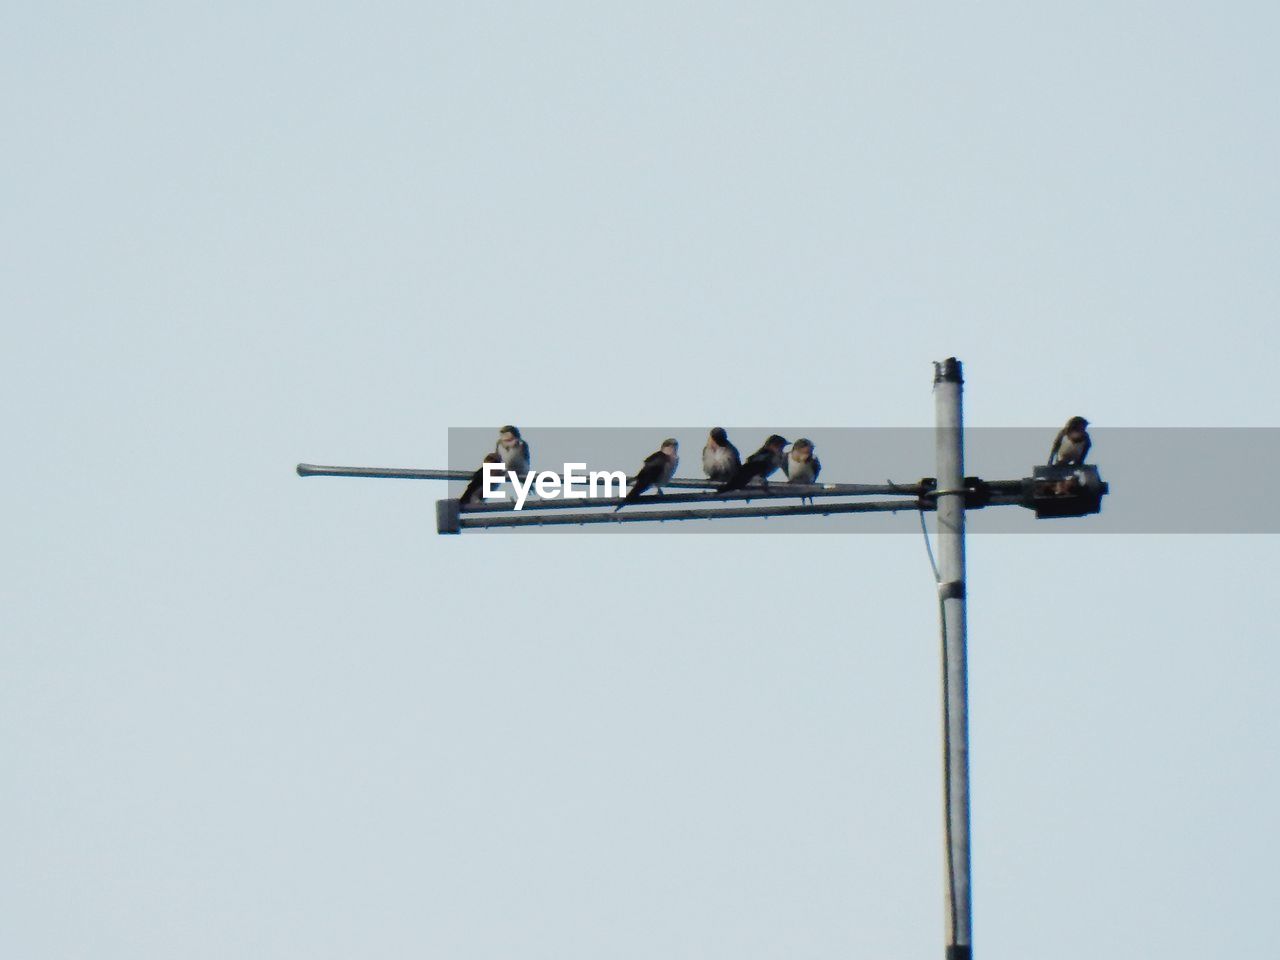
(1057, 442)
(473, 485)
(757, 465)
(654, 464)
(817, 468)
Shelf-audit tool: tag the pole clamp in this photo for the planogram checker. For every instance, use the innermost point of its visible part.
(951, 590)
(976, 492)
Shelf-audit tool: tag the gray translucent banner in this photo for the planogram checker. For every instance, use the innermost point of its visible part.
(1161, 480)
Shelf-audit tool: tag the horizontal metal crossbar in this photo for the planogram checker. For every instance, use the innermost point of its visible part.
(640, 516)
(776, 491)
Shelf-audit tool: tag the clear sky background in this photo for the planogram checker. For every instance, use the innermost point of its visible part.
(249, 715)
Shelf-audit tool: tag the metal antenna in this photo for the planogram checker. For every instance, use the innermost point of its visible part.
(1074, 490)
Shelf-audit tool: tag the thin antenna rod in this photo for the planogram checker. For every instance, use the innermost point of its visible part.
(780, 488)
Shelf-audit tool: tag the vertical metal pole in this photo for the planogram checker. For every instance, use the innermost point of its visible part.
(947, 385)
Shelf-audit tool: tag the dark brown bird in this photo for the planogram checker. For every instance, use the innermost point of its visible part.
(760, 464)
(659, 467)
(472, 494)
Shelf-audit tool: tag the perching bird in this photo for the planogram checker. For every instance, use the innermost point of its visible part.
(1072, 443)
(473, 492)
(801, 465)
(658, 468)
(513, 451)
(720, 459)
(760, 464)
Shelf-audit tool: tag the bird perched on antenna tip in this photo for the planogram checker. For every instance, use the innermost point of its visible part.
(1072, 443)
(1070, 447)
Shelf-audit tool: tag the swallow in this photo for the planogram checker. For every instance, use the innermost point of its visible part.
(659, 467)
(1072, 443)
(801, 465)
(720, 459)
(473, 493)
(760, 464)
(513, 450)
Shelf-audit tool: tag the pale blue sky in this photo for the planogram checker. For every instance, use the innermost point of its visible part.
(247, 715)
